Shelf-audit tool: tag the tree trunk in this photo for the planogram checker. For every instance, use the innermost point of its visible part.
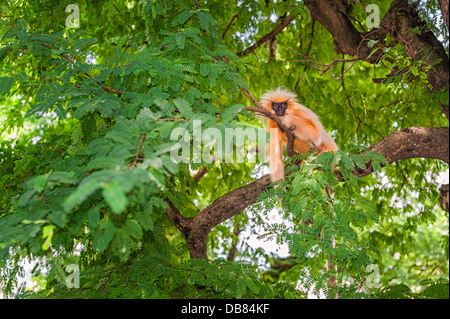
(444, 9)
(398, 21)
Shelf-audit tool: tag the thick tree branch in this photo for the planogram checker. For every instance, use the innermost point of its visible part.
(423, 45)
(399, 20)
(444, 197)
(233, 249)
(413, 142)
(233, 202)
(272, 34)
(175, 216)
(444, 9)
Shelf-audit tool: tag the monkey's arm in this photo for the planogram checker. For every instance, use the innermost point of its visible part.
(305, 129)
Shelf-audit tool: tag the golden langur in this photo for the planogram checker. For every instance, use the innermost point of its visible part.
(309, 132)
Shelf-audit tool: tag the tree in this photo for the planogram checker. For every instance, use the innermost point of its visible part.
(123, 149)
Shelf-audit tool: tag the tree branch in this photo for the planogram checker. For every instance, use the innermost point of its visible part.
(324, 67)
(286, 21)
(229, 24)
(412, 142)
(399, 20)
(444, 9)
(444, 197)
(137, 158)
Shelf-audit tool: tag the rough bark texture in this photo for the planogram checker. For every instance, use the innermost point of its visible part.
(444, 197)
(398, 21)
(444, 9)
(413, 142)
(196, 229)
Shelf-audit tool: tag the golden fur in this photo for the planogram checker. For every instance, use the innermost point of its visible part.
(309, 132)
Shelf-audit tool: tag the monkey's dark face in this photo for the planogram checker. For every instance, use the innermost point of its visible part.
(280, 108)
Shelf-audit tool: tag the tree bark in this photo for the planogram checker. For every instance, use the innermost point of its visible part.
(444, 197)
(399, 20)
(444, 9)
(196, 229)
(412, 142)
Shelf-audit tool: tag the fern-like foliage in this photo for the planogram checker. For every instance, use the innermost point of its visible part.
(327, 212)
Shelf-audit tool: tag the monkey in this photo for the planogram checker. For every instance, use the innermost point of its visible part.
(309, 132)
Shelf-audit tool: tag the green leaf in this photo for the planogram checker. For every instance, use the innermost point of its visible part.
(205, 69)
(326, 159)
(251, 285)
(346, 161)
(133, 229)
(414, 70)
(93, 217)
(358, 160)
(6, 84)
(47, 235)
(115, 196)
(105, 163)
(230, 112)
(184, 107)
(444, 98)
(80, 195)
(371, 43)
(103, 235)
(145, 220)
(180, 38)
(182, 17)
(40, 182)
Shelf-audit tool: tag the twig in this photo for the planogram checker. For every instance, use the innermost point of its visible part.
(172, 119)
(68, 59)
(229, 24)
(112, 90)
(324, 67)
(8, 21)
(137, 158)
(268, 36)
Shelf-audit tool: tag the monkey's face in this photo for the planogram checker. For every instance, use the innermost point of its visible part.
(280, 108)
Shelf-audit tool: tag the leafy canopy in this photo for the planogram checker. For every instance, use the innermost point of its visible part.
(86, 121)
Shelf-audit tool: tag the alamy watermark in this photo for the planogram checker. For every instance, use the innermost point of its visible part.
(373, 20)
(227, 145)
(73, 19)
(373, 279)
(73, 279)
